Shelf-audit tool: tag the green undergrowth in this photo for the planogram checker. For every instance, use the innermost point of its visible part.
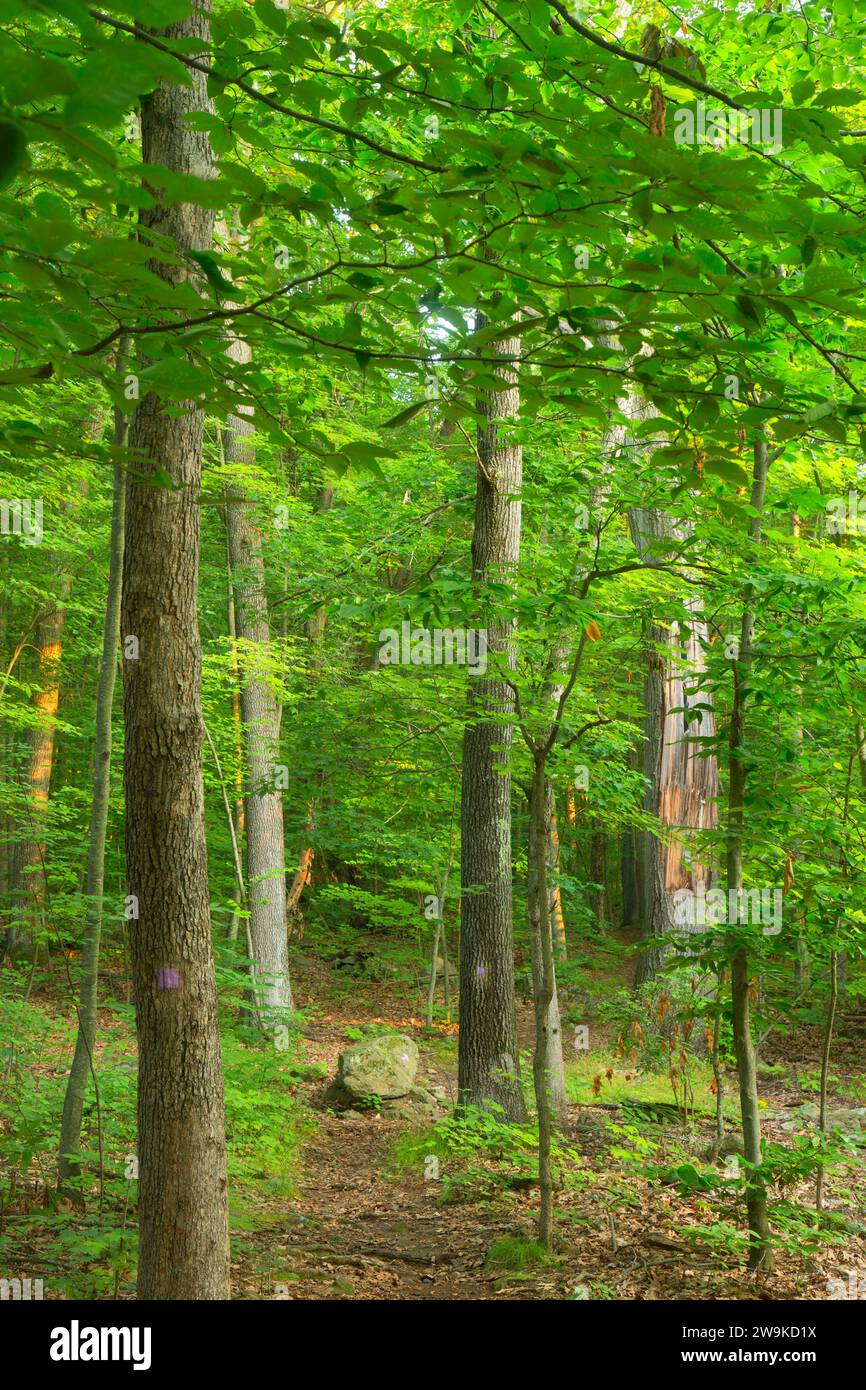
(87, 1249)
(265, 1130)
(517, 1253)
(602, 1077)
(474, 1156)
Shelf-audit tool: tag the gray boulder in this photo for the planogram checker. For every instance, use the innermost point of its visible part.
(384, 1067)
(849, 1120)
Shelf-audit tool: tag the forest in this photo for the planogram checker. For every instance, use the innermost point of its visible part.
(432, 651)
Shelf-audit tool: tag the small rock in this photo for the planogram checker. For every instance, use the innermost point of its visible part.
(731, 1144)
(424, 975)
(418, 1105)
(850, 1120)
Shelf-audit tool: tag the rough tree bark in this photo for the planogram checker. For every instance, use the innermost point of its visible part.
(183, 1216)
(488, 1061)
(628, 878)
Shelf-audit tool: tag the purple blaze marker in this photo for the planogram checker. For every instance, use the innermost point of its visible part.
(168, 978)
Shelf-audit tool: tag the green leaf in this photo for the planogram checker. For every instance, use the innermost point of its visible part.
(272, 17)
(726, 469)
(642, 206)
(13, 152)
(590, 410)
(404, 417)
(705, 413)
(818, 412)
(221, 285)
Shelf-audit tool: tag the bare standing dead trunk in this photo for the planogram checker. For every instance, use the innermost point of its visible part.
(682, 786)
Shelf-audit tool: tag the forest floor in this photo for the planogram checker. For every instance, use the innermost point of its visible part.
(366, 1225)
(339, 1206)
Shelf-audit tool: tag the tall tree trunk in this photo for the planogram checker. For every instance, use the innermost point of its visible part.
(598, 874)
(547, 929)
(557, 918)
(314, 629)
(825, 1069)
(5, 818)
(678, 783)
(549, 1098)
(266, 857)
(314, 626)
(682, 787)
(82, 1061)
(238, 815)
(861, 753)
(488, 1060)
(628, 877)
(28, 880)
(760, 1253)
(548, 1039)
(183, 1209)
